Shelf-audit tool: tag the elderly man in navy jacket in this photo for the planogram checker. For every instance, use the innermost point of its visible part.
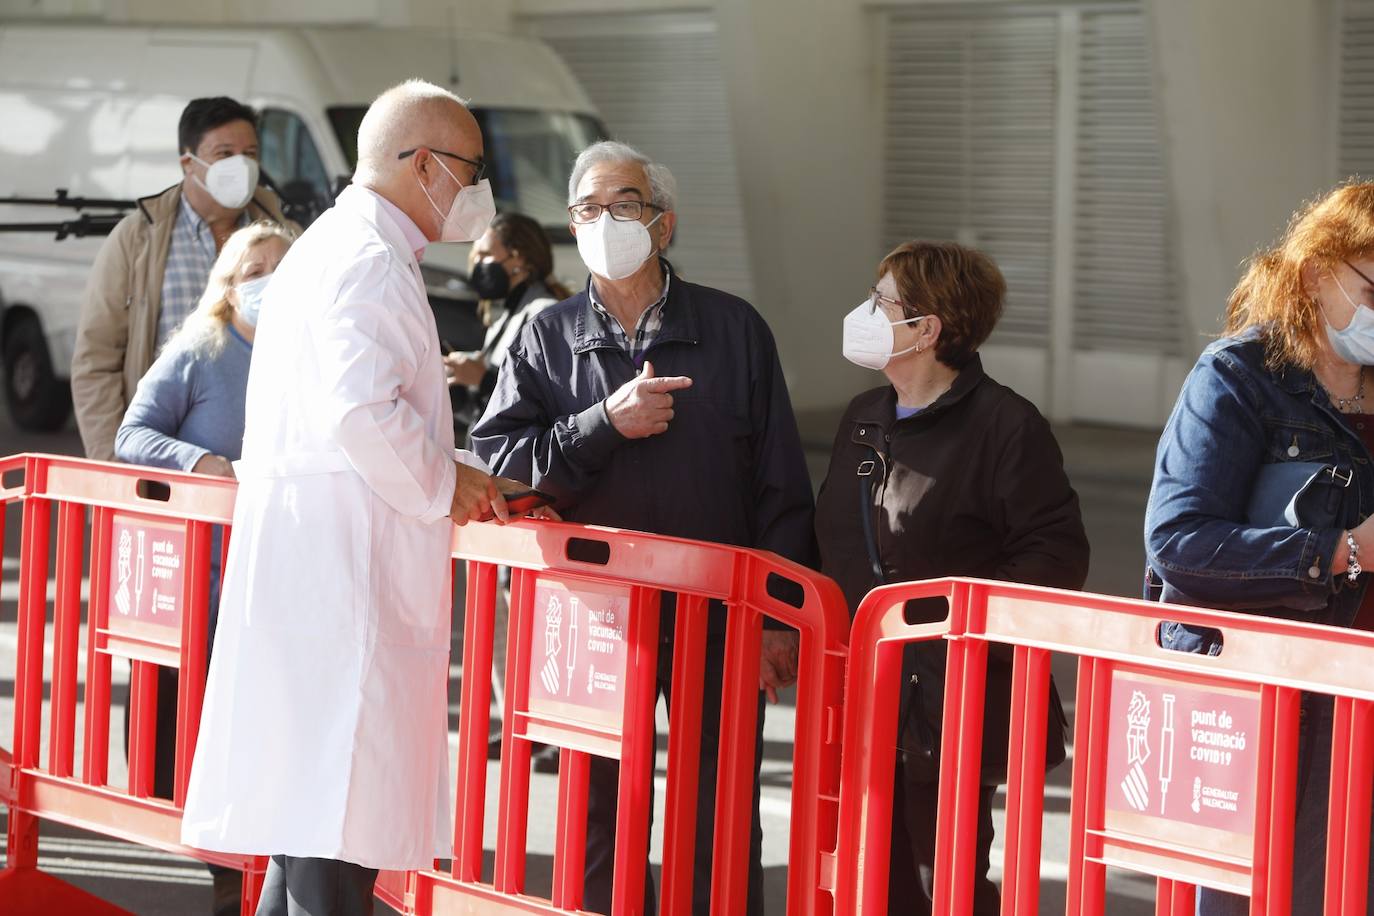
(652, 403)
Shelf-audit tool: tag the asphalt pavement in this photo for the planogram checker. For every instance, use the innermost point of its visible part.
(1109, 467)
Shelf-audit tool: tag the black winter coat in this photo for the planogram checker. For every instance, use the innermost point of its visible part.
(974, 485)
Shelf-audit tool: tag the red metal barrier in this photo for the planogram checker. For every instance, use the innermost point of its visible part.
(149, 563)
(1139, 707)
(614, 591)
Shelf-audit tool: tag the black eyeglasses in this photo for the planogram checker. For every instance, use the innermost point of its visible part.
(1360, 272)
(479, 167)
(623, 210)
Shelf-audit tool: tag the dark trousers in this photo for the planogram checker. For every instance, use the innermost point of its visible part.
(1309, 829)
(603, 790)
(912, 867)
(316, 887)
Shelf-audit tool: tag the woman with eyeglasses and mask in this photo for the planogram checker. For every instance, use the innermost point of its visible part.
(943, 472)
(1286, 384)
(511, 270)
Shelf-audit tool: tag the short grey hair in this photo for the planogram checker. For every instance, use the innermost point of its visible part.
(662, 184)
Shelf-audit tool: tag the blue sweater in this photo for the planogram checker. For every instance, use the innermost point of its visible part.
(190, 404)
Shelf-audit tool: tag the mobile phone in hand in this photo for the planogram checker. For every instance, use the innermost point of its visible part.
(521, 498)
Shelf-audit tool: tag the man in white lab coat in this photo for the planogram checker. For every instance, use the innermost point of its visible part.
(323, 741)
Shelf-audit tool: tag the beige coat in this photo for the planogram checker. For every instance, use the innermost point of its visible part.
(117, 334)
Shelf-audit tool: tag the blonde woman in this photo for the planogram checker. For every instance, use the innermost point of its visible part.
(187, 414)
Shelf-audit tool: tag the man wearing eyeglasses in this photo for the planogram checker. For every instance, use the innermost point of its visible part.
(652, 403)
(324, 738)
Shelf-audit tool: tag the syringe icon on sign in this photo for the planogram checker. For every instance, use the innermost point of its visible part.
(1166, 750)
(572, 644)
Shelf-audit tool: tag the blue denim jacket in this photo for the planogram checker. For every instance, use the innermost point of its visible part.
(1232, 416)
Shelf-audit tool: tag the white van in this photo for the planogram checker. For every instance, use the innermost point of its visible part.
(94, 110)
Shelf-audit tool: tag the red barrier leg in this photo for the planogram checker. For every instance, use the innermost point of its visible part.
(1175, 898)
(195, 629)
(960, 766)
(1336, 904)
(1025, 782)
(1087, 886)
(570, 854)
(33, 586)
(95, 758)
(142, 727)
(71, 524)
(1347, 849)
(473, 716)
(514, 799)
(735, 763)
(684, 752)
(252, 887)
(867, 772)
(1276, 802)
(634, 801)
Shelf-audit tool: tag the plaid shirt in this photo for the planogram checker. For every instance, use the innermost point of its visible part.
(646, 329)
(189, 259)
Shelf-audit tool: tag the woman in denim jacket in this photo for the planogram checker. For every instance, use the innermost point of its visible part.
(1287, 382)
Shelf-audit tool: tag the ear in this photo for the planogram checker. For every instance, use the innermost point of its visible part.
(665, 226)
(232, 297)
(929, 331)
(187, 164)
(1311, 275)
(421, 163)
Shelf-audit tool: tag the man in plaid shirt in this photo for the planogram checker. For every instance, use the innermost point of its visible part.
(152, 270)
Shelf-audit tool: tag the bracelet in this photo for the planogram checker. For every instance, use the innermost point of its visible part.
(1353, 568)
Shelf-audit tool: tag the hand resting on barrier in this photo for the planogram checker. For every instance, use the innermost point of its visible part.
(778, 664)
(214, 465)
(476, 495)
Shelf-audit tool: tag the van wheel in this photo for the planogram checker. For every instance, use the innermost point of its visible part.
(38, 400)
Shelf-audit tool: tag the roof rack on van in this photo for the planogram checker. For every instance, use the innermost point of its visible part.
(84, 225)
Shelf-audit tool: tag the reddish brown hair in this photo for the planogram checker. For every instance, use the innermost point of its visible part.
(1272, 296)
(961, 286)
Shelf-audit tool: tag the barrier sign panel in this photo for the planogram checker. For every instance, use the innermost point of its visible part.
(577, 659)
(147, 574)
(1182, 764)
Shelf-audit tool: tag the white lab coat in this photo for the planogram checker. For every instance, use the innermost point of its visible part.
(324, 731)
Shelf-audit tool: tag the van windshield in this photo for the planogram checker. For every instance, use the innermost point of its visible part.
(529, 156)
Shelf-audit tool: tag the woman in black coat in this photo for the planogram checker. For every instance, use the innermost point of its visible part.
(943, 472)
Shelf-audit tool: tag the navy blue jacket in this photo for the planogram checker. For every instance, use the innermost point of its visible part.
(730, 468)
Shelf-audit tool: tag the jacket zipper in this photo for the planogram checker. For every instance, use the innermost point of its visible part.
(880, 492)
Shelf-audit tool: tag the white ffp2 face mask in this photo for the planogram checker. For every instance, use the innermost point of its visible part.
(469, 214)
(1354, 343)
(614, 248)
(868, 336)
(230, 181)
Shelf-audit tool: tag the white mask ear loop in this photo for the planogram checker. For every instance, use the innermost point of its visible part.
(914, 348)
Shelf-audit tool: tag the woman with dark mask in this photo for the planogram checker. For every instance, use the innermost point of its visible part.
(511, 270)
